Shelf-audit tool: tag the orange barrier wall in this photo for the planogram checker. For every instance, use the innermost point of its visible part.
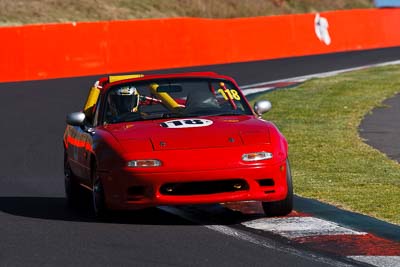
(77, 49)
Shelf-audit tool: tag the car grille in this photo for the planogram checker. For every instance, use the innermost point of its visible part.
(204, 188)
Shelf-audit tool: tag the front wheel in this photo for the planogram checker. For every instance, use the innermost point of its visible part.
(285, 206)
(98, 197)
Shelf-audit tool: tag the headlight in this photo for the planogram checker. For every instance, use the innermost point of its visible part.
(256, 156)
(144, 163)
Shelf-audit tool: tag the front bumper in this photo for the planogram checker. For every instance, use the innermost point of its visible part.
(132, 189)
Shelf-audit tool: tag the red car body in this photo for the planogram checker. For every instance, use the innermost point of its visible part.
(192, 165)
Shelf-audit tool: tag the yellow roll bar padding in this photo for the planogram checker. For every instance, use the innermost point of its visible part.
(165, 97)
(116, 78)
(92, 98)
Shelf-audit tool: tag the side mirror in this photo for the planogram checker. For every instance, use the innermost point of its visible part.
(262, 106)
(76, 118)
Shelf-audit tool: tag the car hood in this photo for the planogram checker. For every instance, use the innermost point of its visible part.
(191, 133)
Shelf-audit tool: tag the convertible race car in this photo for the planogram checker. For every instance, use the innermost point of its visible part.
(174, 139)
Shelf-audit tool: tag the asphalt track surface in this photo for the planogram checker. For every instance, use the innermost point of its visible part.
(36, 228)
(381, 128)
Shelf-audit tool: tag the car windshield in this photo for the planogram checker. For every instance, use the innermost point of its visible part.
(173, 98)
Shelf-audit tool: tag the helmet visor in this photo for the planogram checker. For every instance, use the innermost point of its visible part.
(124, 103)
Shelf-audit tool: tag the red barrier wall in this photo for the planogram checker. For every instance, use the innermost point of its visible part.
(76, 49)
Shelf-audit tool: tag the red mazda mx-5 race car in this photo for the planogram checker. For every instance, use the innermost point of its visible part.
(173, 139)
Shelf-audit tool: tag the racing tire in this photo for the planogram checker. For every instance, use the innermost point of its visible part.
(285, 206)
(73, 191)
(98, 198)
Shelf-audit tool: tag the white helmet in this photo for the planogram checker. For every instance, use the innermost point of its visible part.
(124, 99)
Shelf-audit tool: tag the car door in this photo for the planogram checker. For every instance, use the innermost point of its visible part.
(86, 152)
(72, 148)
(84, 137)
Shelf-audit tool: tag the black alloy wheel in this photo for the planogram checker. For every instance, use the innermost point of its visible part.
(73, 190)
(98, 197)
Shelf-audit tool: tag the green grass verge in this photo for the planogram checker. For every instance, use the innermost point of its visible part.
(330, 162)
(15, 12)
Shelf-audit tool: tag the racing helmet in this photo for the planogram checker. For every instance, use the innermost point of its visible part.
(124, 99)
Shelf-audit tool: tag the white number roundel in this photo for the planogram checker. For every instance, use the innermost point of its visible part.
(186, 123)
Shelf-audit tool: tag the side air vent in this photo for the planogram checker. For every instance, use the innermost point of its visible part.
(266, 182)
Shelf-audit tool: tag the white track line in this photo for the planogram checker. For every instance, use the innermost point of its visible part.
(246, 88)
(380, 261)
(295, 227)
(250, 91)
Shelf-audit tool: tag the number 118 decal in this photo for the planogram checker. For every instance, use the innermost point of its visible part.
(186, 123)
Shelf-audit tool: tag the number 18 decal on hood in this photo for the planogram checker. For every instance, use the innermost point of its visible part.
(186, 123)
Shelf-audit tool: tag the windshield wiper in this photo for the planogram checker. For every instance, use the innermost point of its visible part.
(128, 117)
(232, 113)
